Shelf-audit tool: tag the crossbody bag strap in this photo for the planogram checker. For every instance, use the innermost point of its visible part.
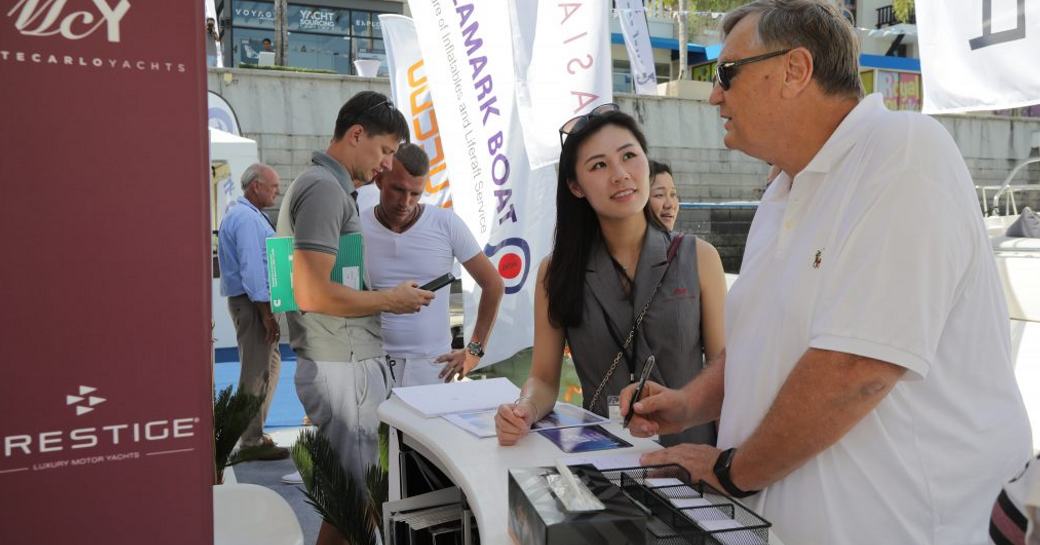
(673, 250)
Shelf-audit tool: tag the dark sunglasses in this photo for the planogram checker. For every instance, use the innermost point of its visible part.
(726, 71)
(576, 124)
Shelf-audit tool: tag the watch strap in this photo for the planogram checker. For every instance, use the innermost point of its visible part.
(721, 471)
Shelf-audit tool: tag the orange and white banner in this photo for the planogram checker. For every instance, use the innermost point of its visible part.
(411, 92)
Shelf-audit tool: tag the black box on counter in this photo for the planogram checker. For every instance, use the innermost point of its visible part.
(538, 517)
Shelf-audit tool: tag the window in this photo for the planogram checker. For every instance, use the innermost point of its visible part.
(372, 49)
(319, 51)
(321, 38)
(362, 24)
(247, 45)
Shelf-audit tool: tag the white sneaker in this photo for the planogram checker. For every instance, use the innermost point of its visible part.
(292, 478)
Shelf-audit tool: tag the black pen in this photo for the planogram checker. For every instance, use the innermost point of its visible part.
(647, 367)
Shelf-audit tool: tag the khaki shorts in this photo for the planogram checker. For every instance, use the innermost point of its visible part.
(341, 398)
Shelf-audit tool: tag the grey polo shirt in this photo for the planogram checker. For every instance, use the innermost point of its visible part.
(316, 211)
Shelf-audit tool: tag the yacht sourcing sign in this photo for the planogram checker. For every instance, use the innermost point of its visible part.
(467, 49)
(979, 54)
(107, 402)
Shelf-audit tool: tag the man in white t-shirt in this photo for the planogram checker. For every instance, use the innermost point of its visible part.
(408, 240)
(867, 393)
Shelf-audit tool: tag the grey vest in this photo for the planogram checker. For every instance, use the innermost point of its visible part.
(670, 330)
(321, 337)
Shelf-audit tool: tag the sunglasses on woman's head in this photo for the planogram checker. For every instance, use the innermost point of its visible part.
(389, 105)
(726, 71)
(578, 123)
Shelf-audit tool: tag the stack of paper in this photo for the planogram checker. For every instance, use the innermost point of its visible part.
(458, 397)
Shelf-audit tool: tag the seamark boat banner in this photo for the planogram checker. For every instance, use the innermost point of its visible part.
(637, 42)
(563, 68)
(979, 54)
(411, 92)
(510, 208)
(106, 401)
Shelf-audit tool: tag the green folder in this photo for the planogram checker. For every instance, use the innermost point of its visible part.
(349, 269)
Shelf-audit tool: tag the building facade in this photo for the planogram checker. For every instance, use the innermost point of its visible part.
(326, 35)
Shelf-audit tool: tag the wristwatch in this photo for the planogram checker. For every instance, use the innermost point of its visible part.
(475, 348)
(721, 470)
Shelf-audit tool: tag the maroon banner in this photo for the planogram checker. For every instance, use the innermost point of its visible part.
(105, 396)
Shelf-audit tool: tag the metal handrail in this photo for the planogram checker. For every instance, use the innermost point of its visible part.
(1005, 187)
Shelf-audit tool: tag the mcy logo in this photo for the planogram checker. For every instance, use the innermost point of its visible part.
(49, 17)
(84, 404)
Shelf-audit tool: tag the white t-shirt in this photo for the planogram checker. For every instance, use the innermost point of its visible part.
(367, 197)
(878, 249)
(425, 251)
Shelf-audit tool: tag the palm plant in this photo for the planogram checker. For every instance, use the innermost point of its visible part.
(687, 19)
(231, 416)
(352, 507)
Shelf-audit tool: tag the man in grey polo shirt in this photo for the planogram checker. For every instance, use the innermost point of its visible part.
(341, 375)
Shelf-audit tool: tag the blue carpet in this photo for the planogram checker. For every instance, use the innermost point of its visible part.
(285, 407)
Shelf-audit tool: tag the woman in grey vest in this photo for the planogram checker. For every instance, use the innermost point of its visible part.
(617, 287)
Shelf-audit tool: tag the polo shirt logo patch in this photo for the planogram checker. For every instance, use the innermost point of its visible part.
(679, 292)
(818, 259)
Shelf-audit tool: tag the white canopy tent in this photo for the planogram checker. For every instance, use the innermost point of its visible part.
(235, 154)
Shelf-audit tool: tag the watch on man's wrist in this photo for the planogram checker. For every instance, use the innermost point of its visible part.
(475, 348)
(721, 471)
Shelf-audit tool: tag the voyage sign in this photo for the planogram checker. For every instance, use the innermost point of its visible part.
(106, 404)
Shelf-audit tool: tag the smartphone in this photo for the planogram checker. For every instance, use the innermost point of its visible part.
(438, 283)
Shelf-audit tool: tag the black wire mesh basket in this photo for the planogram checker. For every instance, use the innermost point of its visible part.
(682, 512)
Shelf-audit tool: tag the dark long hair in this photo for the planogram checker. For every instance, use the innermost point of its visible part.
(577, 227)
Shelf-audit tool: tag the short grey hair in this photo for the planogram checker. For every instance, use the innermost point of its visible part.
(413, 158)
(816, 25)
(252, 174)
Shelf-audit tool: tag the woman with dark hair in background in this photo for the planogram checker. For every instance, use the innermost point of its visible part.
(617, 288)
(664, 198)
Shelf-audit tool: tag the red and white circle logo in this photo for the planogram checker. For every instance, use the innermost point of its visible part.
(512, 258)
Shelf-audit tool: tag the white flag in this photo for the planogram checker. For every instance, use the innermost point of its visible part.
(467, 50)
(637, 43)
(563, 68)
(411, 94)
(979, 54)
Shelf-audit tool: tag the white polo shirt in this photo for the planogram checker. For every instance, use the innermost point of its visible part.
(878, 249)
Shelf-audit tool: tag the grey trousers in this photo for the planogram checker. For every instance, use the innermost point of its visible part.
(341, 398)
(261, 362)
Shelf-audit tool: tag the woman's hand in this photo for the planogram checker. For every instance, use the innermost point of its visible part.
(514, 420)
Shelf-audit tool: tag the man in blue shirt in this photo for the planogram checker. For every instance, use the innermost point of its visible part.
(243, 280)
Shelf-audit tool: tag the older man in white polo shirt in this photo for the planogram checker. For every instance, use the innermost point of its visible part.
(867, 395)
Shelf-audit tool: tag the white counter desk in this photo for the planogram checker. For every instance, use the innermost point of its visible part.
(479, 467)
